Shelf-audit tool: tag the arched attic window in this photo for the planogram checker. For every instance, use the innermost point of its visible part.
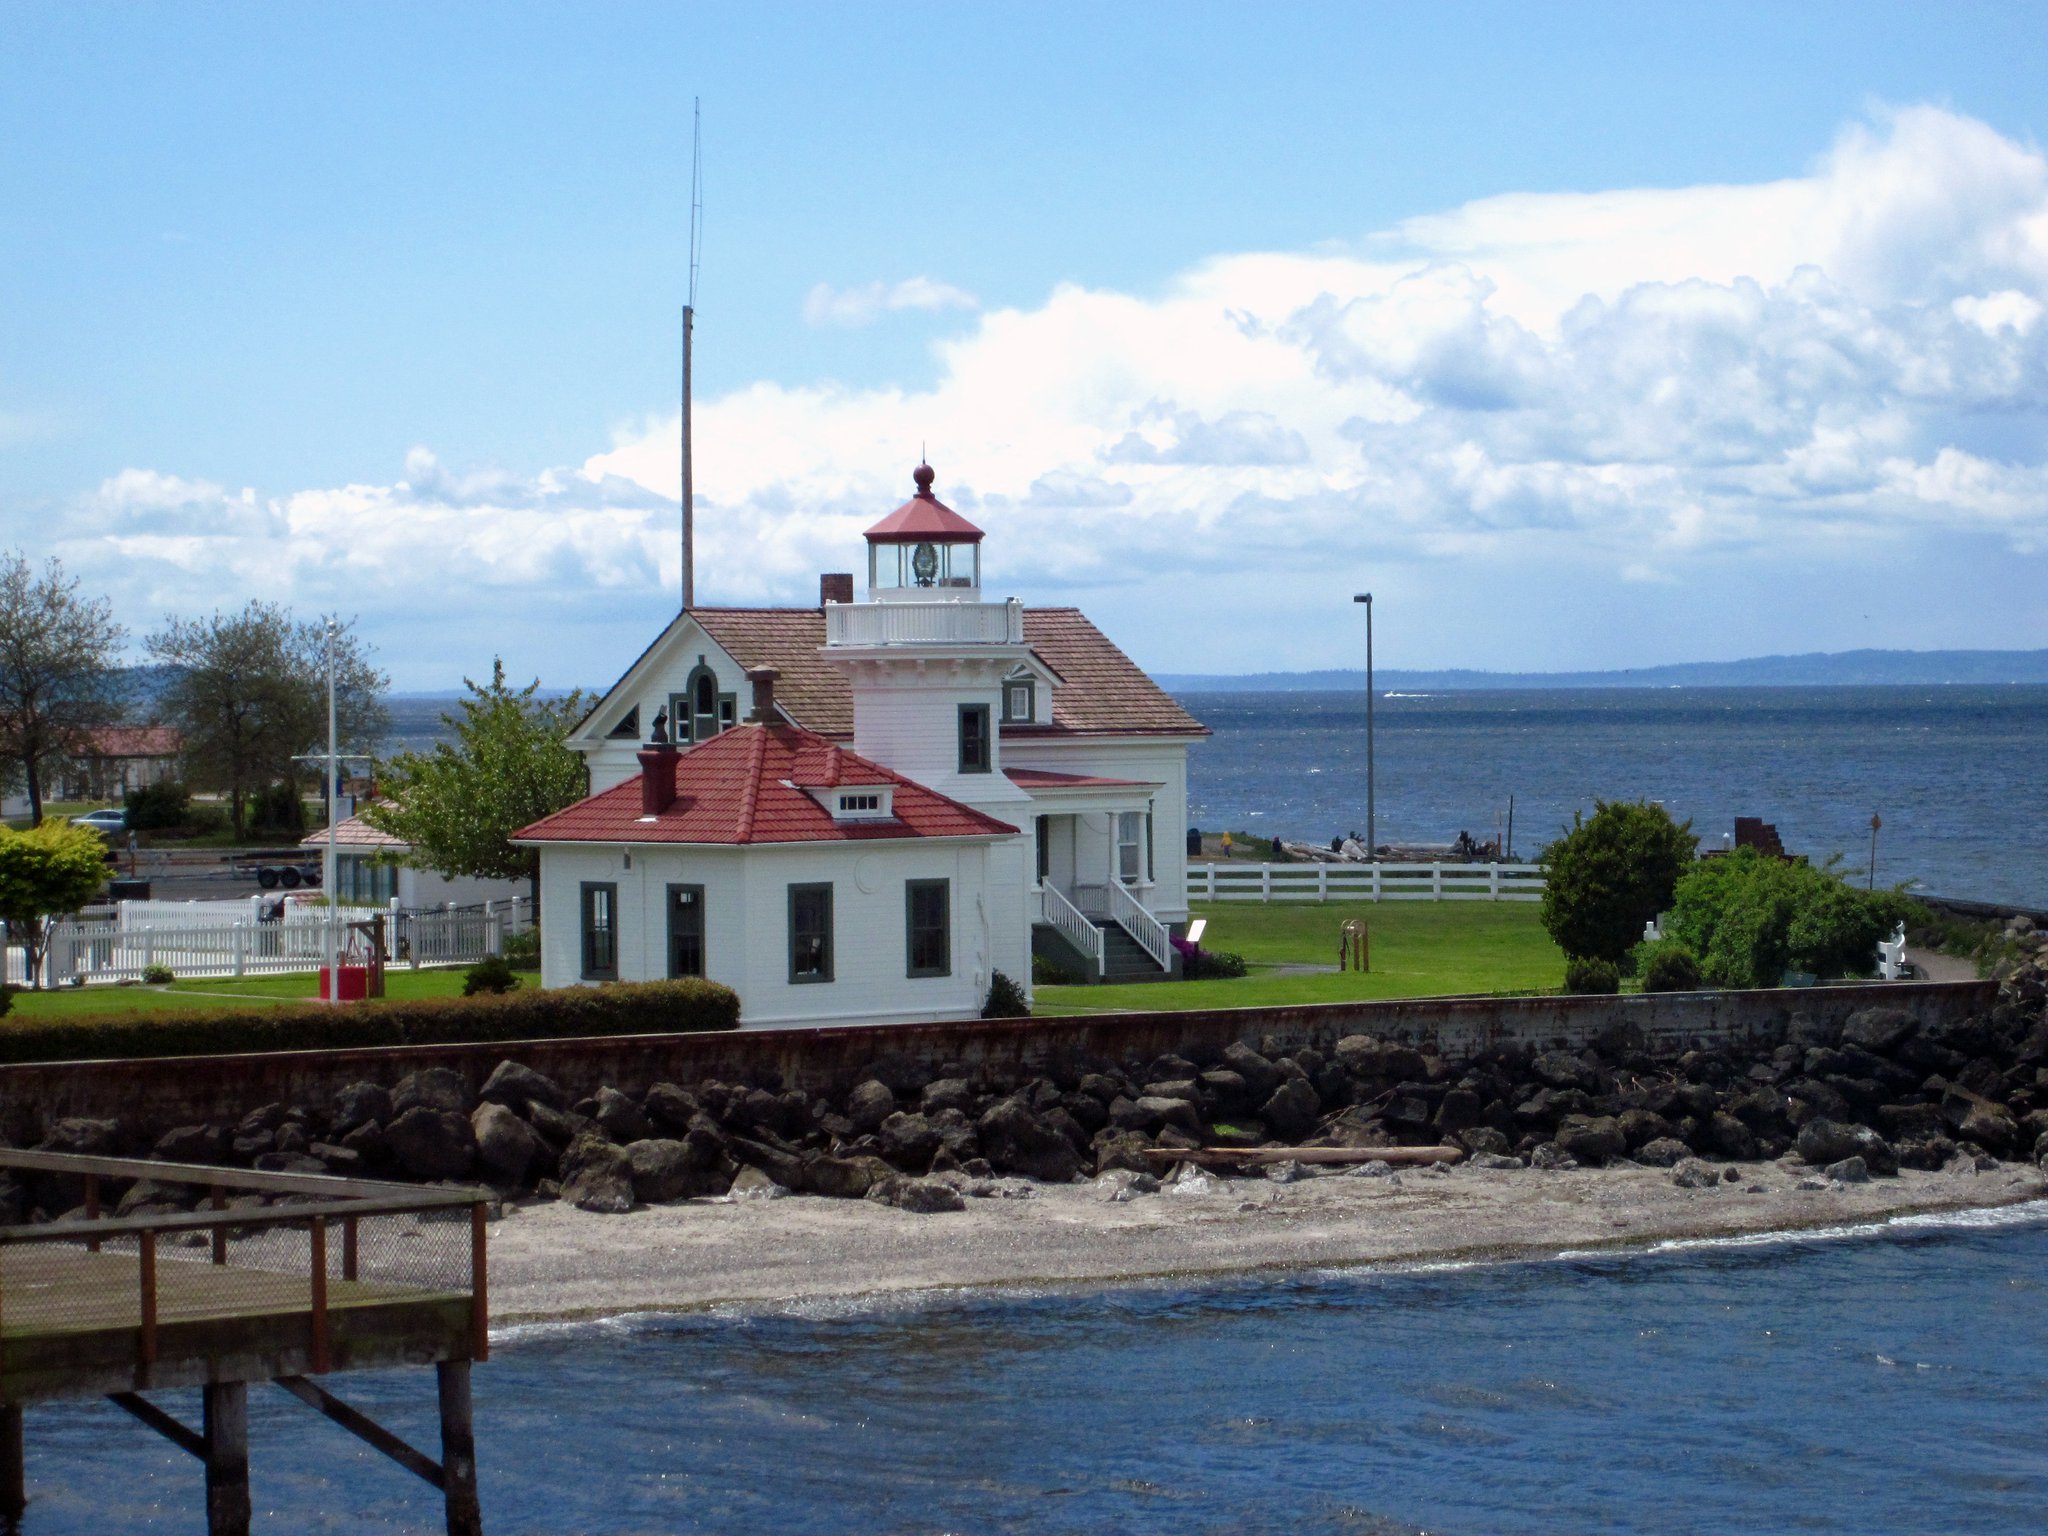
(700, 711)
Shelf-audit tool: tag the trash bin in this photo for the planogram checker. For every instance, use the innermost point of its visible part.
(1194, 842)
(345, 983)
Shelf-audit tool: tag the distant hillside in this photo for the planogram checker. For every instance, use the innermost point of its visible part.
(1819, 669)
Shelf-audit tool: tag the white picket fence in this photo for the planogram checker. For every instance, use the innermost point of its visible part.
(83, 952)
(1365, 882)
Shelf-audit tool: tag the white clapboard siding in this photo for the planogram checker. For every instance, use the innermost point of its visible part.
(1365, 882)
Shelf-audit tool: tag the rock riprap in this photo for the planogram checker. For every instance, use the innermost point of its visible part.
(1879, 1091)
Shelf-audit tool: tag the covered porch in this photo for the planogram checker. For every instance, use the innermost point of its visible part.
(1095, 875)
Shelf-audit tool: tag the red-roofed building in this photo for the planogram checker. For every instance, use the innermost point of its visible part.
(118, 758)
(920, 770)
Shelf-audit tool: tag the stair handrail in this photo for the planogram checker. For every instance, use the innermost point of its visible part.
(1073, 925)
(1130, 915)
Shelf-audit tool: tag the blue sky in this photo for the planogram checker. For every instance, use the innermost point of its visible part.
(1597, 335)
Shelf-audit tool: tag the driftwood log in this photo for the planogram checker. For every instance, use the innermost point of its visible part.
(1215, 1157)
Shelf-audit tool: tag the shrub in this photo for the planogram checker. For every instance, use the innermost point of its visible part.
(1211, 964)
(1669, 967)
(1590, 976)
(1045, 973)
(1608, 876)
(522, 950)
(1750, 918)
(1006, 999)
(157, 807)
(493, 973)
(158, 975)
(204, 820)
(7, 999)
(278, 809)
(621, 1008)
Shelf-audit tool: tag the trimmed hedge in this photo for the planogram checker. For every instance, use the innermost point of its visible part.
(622, 1008)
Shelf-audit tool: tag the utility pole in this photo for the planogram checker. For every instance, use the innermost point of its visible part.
(1372, 834)
(689, 325)
(1870, 884)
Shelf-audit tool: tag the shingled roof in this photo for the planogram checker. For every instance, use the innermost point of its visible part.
(1105, 693)
(747, 786)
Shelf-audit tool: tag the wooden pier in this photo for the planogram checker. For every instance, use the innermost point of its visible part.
(220, 1277)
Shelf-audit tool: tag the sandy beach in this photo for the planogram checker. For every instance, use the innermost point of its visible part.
(551, 1261)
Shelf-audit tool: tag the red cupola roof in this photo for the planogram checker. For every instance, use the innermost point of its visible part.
(924, 519)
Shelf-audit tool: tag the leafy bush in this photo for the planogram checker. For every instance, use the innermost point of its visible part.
(158, 975)
(522, 950)
(1585, 976)
(7, 999)
(1006, 999)
(1045, 973)
(278, 809)
(1751, 918)
(1608, 876)
(1668, 967)
(493, 973)
(157, 807)
(1211, 964)
(621, 1008)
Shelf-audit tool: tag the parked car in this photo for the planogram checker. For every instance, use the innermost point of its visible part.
(109, 821)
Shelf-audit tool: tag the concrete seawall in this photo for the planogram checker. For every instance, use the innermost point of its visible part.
(149, 1096)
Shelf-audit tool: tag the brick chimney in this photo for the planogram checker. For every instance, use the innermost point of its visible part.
(657, 777)
(835, 587)
(763, 679)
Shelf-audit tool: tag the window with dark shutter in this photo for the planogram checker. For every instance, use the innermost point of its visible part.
(928, 923)
(810, 933)
(974, 738)
(686, 930)
(600, 931)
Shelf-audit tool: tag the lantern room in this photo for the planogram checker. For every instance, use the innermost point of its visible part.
(924, 551)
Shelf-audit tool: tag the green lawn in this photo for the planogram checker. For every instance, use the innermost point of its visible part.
(1419, 949)
(253, 992)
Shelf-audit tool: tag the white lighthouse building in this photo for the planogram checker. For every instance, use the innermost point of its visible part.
(861, 812)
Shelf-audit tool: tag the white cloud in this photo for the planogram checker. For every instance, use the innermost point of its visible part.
(862, 305)
(1655, 391)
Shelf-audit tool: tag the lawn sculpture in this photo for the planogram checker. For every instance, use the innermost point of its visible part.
(1354, 950)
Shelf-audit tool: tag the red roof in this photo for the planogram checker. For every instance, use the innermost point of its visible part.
(1103, 692)
(924, 518)
(353, 832)
(133, 741)
(747, 785)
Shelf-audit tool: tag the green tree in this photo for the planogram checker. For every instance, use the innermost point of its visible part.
(1750, 918)
(1608, 876)
(50, 870)
(248, 691)
(58, 677)
(510, 764)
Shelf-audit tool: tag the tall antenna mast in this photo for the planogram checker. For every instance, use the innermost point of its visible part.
(689, 319)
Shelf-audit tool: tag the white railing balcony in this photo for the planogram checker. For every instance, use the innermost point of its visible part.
(928, 623)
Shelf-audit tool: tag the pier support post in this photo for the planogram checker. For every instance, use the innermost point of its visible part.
(226, 1407)
(13, 1483)
(458, 1450)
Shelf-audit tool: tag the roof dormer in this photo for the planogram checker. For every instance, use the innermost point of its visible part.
(924, 551)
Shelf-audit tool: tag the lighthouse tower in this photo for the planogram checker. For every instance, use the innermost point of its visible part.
(927, 655)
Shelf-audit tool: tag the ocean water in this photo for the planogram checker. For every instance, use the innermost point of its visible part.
(1885, 1380)
(1955, 773)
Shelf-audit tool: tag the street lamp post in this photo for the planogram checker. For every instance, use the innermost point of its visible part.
(1372, 839)
(333, 815)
